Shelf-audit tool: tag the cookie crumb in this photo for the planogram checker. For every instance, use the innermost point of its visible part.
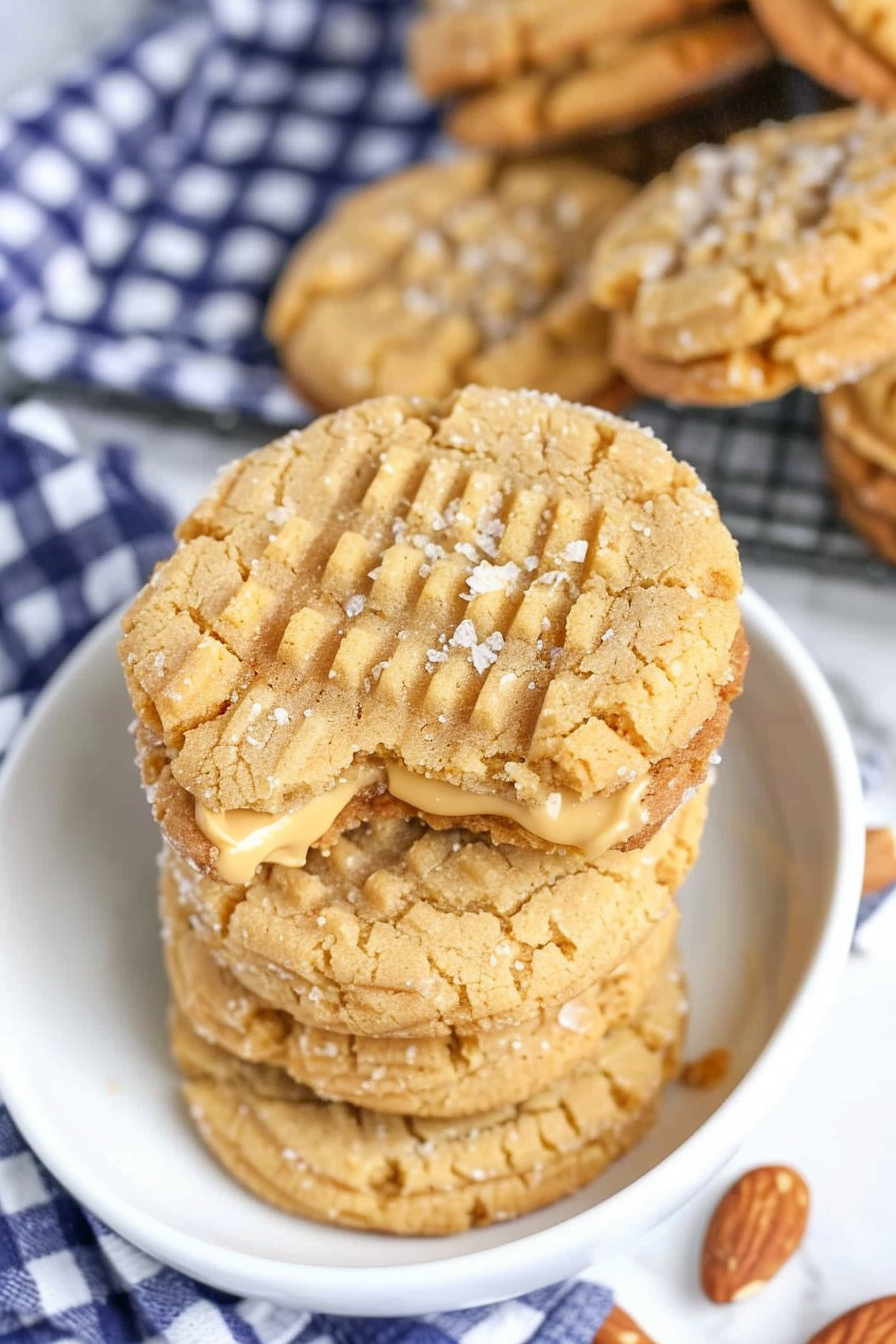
(709, 1070)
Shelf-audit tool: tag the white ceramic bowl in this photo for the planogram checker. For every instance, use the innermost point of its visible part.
(768, 917)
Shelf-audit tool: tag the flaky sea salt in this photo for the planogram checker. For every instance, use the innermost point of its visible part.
(489, 578)
(574, 1016)
(574, 553)
(464, 636)
(484, 654)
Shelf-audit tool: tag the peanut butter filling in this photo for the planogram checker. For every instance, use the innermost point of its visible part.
(244, 838)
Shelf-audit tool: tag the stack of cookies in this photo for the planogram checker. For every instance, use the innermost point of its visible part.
(860, 443)
(533, 72)
(427, 699)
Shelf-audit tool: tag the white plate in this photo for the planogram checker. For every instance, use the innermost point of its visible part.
(768, 916)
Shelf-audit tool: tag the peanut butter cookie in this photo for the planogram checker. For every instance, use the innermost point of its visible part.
(500, 611)
(860, 444)
(611, 85)
(449, 273)
(849, 45)
(399, 930)
(457, 1074)
(359, 1168)
(454, 47)
(759, 265)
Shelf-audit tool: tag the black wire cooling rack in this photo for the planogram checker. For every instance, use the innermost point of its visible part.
(765, 466)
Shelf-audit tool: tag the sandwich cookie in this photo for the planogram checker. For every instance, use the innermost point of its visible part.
(860, 444)
(501, 611)
(762, 264)
(400, 930)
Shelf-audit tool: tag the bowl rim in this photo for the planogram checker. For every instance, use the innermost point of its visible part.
(474, 1277)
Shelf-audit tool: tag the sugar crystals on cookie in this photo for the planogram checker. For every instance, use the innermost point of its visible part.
(759, 265)
(448, 273)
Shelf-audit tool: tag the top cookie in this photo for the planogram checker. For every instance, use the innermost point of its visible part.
(449, 273)
(458, 46)
(764, 263)
(500, 606)
(850, 45)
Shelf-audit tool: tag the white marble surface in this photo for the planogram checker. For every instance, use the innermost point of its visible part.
(836, 1120)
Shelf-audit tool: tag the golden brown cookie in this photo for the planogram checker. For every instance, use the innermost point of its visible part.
(855, 481)
(449, 273)
(457, 1074)
(667, 783)
(864, 415)
(611, 85)
(454, 46)
(764, 263)
(877, 528)
(860, 445)
(400, 930)
(849, 45)
(335, 1163)
(501, 611)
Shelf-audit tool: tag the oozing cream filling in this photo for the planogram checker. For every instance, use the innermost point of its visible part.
(244, 838)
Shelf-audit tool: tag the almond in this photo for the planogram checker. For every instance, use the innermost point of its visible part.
(619, 1328)
(880, 860)
(871, 1323)
(757, 1226)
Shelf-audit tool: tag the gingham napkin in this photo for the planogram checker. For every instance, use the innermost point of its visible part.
(77, 537)
(149, 196)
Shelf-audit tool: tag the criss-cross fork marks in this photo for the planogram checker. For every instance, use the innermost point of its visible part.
(446, 591)
(437, 584)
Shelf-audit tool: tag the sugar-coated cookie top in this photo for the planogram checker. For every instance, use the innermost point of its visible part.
(501, 590)
(771, 234)
(448, 273)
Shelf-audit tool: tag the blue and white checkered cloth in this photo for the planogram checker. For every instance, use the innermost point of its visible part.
(77, 537)
(149, 196)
